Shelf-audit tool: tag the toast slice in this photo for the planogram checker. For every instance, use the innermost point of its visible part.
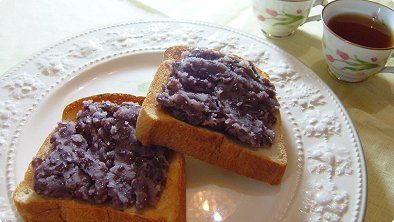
(155, 126)
(34, 207)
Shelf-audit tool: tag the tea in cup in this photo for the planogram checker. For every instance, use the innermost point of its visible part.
(358, 38)
(281, 18)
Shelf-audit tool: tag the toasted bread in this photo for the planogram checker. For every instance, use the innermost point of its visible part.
(155, 126)
(34, 207)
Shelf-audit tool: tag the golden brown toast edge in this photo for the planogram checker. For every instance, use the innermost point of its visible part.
(33, 207)
(154, 126)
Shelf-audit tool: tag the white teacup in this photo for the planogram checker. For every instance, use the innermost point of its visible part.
(349, 61)
(280, 18)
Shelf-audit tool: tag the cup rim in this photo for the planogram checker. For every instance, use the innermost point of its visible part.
(352, 43)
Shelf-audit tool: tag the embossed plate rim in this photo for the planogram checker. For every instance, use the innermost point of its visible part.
(310, 74)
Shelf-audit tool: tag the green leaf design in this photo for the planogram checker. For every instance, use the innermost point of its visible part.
(361, 67)
(357, 64)
(371, 66)
(286, 18)
(353, 68)
(289, 20)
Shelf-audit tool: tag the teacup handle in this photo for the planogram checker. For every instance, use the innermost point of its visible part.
(316, 17)
(320, 2)
(388, 69)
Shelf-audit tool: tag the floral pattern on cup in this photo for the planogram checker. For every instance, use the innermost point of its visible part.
(353, 64)
(282, 18)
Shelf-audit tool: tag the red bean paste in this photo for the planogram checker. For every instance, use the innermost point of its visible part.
(221, 92)
(98, 159)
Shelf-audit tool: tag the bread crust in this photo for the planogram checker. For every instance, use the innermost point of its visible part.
(170, 207)
(155, 126)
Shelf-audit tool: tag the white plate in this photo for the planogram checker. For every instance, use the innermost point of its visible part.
(325, 179)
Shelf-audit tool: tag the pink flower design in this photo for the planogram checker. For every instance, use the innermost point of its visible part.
(374, 59)
(343, 55)
(261, 18)
(272, 12)
(330, 58)
(299, 11)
